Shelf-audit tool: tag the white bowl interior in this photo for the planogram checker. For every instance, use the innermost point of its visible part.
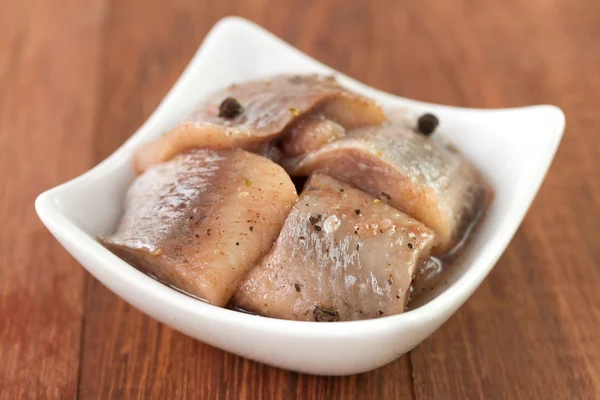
(513, 148)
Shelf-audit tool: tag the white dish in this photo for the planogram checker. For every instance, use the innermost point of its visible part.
(513, 148)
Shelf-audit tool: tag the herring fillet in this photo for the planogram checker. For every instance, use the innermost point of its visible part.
(309, 135)
(270, 107)
(342, 250)
(422, 176)
(201, 220)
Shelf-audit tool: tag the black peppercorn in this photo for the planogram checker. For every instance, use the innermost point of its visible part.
(230, 108)
(427, 124)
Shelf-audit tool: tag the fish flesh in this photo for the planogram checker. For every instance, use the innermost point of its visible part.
(342, 255)
(385, 202)
(251, 114)
(309, 135)
(200, 221)
(424, 176)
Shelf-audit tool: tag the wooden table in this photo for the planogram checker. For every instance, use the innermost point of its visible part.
(78, 77)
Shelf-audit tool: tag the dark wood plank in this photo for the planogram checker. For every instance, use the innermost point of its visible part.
(126, 354)
(531, 330)
(47, 92)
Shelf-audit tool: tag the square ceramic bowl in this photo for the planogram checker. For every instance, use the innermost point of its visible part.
(513, 148)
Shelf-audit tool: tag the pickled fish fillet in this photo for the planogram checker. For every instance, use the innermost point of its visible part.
(310, 134)
(201, 220)
(341, 255)
(254, 113)
(422, 176)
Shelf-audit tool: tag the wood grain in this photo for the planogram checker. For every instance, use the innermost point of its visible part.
(79, 77)
(48, 74)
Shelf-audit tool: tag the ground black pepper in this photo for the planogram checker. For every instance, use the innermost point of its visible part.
(314, 220)
(324, 314)
(251, 228)
(297, 287)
